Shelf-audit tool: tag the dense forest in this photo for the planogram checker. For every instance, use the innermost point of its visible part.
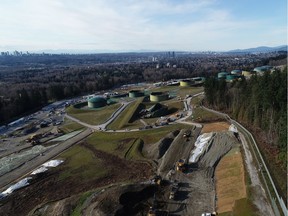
(260, 104)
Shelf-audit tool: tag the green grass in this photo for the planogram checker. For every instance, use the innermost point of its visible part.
(119, 143)
(93, 117)
(82, 199)
(70, 126)
(135, 150)
(242, 207)
(202, 115)
(196, 100)
(80, 163)
(127, 118)
(183, 91)
(180, 91)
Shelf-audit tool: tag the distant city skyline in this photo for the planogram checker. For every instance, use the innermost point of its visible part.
(134, 25)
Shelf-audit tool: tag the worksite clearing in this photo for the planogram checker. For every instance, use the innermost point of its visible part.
(195, 192)
(173, 169)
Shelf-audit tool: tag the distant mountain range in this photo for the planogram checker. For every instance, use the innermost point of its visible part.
(261, 49)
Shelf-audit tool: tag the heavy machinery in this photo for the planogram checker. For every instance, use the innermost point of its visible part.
(34, 139)
(180, 165)
(187, 133)
(173, 192)
(151, 212)
(157, 180)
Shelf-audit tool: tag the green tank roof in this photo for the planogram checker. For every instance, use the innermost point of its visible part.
(97, 100)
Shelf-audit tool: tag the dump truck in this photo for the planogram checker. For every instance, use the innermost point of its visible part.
(180, 165)
(173, 192)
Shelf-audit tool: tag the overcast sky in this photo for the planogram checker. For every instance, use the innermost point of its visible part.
(127, 25)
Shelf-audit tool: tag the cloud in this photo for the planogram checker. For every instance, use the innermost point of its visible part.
(118, 25)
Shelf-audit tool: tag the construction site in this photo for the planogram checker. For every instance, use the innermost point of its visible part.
(165, 169)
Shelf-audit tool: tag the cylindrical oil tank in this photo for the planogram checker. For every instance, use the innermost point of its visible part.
(185, 83)
(237, 72)
(246, 73)
(158, 96)
(135, 93)
(96, 102)
(222, 75)
(231, 77)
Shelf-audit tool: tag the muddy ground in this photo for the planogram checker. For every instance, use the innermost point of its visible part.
(46, 187)
(112, 196)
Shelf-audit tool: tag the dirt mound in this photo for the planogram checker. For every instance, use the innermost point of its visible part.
(135, 202)
(48, 187)
(179, 149)
(123, 200)
(221, 144)
(157, 150)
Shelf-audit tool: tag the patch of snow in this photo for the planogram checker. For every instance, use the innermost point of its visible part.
(52, 163)
(39, 170)
(22, 183)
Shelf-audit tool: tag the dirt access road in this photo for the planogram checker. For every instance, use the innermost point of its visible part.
(196, 189)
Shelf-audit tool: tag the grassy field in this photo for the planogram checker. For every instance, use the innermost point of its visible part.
(70, 126)
(119, 143)
(196, 100)
(201, 115)
(82, 199)
(80, 163)
(125, 119)
(180, 91)
(93, 117)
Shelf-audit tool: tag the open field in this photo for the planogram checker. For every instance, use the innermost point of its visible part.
(201, 116)
(70, 126)
(93, 117)
(119, 143)
(125, 119)
(215, 126)
(180, 91)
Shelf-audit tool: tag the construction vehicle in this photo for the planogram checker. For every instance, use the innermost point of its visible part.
(180, 165)
(187, 133)
(173, 191)
(157, 180)
(34, 139)
(151, 212)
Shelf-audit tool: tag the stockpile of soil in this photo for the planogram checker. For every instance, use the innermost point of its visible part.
(221, 144)
(47, 187)
(157, 150)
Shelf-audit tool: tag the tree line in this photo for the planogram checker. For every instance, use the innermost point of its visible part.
(260, 104)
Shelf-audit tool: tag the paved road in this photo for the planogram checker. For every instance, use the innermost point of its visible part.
(36, 162)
